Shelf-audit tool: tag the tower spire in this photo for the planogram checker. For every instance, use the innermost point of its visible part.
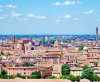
(97, 34)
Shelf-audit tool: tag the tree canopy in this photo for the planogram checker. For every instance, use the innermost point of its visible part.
(65, 70)
(87, 73)
(36, 75)
(3, 74)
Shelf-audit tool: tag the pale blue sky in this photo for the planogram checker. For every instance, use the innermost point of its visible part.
(49, 16)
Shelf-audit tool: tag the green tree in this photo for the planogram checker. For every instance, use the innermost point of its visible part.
(85, 67)
(36, 75)
(27, 64)
(20, 76)
(96, 78)
(73, 78)
(11, 76)
(52, 77)
(3, 74)
(65, 70)
(87, 73)
(63, 77)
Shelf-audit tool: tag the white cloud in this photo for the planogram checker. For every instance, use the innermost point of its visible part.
(10, 6)
(57, 4)
(14, 14)
(41, 17)
(67, 16)
(36, 16)
(31, 15)
(88, 12)
(71, 2)
(67, 2)
(75, 18)
(58, 20)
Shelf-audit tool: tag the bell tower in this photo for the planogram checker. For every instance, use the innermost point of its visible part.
(97, 35)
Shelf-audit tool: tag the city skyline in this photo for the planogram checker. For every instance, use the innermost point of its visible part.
(49, 17)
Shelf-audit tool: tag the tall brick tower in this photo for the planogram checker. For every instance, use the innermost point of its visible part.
(97, 34)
